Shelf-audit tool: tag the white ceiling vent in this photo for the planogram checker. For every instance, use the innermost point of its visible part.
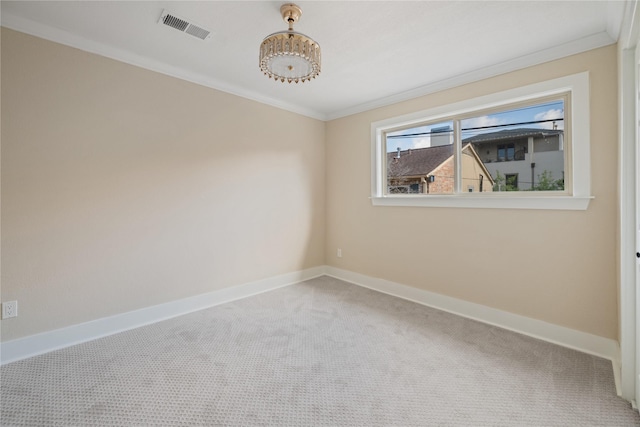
(184, 25)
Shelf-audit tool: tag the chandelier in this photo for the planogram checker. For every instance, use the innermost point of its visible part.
(288, 55)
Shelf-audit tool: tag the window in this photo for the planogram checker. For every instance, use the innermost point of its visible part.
(506, 152)
(523, 148)
(529, 135)
(511, 181)
(418, 158)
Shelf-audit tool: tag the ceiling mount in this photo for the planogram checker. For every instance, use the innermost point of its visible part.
(291, 13)
(288, 55)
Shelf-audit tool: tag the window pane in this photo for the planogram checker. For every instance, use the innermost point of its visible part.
(520, 149)
(420, 160)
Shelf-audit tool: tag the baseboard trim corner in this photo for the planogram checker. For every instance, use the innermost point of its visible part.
(560, 335)
(33, 345)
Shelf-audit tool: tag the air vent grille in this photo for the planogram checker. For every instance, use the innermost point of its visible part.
(200, 33)
(174, 22)
(184, 25)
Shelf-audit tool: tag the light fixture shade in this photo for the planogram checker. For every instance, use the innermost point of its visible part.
(290, 56)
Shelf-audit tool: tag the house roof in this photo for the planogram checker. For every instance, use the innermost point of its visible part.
(512, 134)
(418, 161)
(424, 161)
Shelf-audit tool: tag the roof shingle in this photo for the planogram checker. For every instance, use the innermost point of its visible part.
(418, 161)
(511, 134)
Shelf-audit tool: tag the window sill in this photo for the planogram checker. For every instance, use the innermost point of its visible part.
(573, 203)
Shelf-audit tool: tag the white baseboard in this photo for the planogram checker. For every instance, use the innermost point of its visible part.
(45, 342)
(560, 335)
(617, 376)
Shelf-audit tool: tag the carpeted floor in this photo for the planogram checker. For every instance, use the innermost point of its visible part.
(321, 352)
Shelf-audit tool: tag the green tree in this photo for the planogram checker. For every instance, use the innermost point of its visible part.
(504, 184)
(547, 183)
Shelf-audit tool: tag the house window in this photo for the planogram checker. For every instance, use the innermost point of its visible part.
(522, 148)
(506, 152)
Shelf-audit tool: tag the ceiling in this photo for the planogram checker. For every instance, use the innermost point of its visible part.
(374, 53)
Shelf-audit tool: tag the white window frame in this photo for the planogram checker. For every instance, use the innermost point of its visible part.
(575, 198)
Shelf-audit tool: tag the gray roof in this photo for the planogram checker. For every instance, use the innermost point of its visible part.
(418, 161)
(507, 134)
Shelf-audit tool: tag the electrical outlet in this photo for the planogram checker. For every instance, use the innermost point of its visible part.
(339, 253)
(9, 309)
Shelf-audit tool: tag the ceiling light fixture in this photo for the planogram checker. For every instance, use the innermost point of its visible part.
(288, 55)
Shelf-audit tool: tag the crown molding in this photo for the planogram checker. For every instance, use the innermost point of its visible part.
(615, 17)
(66, 38)
(567, 49)
(69, 39)
(630, 25)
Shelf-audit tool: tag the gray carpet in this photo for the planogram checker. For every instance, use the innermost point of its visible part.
(321, 352)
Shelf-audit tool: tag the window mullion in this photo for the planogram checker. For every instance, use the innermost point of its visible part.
(457, 157)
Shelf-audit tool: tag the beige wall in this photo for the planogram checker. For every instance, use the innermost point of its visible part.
(124, 188)
(556, 266)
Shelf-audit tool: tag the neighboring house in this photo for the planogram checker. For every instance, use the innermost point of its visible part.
(430, 171)
(521, 155)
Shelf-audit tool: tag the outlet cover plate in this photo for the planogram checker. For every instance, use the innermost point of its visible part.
(9, 309)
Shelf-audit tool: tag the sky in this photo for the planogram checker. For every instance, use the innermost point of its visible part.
(535, 113)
